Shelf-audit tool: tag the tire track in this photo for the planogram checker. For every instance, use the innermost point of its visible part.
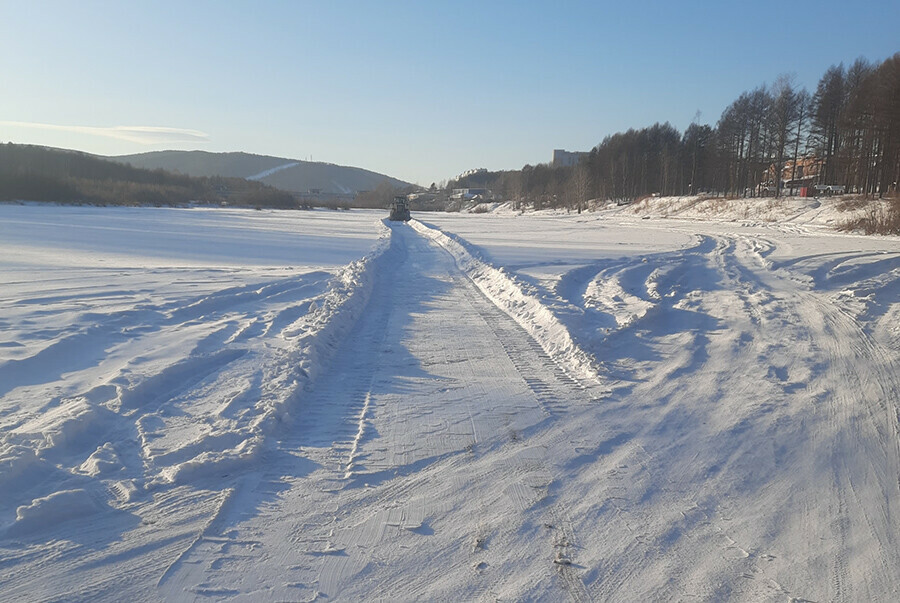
(530, 359)
(856, 386)
(552, 387)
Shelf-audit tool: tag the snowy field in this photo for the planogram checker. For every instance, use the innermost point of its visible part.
(632, 404)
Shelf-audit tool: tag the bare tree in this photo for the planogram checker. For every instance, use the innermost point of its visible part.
(581, 181)
(802, 117)
(782, 115)
(828, 106)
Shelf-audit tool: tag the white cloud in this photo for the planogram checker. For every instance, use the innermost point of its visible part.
(137, 134)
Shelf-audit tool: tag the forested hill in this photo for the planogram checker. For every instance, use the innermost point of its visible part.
(286, 174)
(35, 173)
(777, 138)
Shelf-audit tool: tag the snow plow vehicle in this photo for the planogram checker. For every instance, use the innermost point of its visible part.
(399, 210)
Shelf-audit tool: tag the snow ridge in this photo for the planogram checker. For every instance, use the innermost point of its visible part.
(326, 324)
(520, 302)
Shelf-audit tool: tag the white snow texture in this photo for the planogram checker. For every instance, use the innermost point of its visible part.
(682, 399)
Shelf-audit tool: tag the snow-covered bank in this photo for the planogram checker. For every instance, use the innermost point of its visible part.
(828, 213)
(521, 302)
(822, 212)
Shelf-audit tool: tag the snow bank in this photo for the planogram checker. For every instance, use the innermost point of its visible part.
(521, 302)
(825, 213)
(828, 212)
(308, 345)
(324, 326)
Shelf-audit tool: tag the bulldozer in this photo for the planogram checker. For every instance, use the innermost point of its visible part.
(399, 210)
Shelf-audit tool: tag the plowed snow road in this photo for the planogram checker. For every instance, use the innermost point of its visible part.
(423, 478)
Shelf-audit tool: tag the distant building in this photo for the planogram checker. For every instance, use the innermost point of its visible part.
(805, 172)
(562, 158)
(482, 194)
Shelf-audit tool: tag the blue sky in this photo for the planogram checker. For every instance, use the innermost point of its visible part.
(417, 90)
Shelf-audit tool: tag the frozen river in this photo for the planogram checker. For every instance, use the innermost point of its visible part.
(245, 405)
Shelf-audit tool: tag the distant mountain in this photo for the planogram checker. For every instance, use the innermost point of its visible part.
(36, 173)
(286, 174)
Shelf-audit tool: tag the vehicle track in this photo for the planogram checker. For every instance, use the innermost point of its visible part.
(741, 357)
(853, 380)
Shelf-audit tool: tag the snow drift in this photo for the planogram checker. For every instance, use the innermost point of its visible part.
(519, 301)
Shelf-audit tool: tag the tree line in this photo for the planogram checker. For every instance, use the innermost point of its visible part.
(846, 133)
(34, 173)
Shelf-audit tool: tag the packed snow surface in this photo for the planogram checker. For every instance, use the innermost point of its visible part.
(633, 404)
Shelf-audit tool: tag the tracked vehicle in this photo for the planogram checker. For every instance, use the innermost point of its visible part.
(399, 210)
